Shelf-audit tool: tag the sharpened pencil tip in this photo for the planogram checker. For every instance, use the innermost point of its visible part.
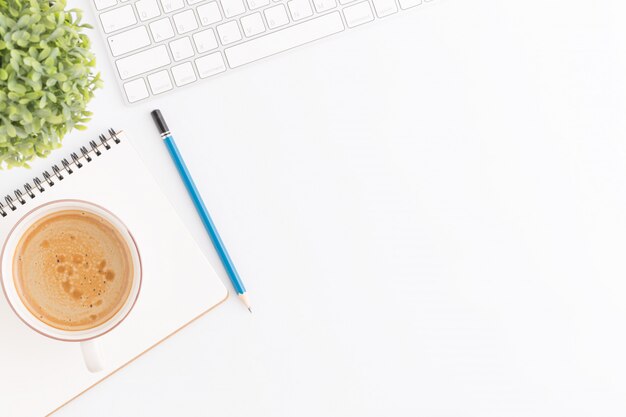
(244, 298)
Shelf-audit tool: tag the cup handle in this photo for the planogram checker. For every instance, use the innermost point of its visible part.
(92, 355)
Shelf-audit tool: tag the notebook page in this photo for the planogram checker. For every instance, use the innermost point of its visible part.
(39, 374)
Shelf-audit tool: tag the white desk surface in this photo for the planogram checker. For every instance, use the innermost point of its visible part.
(429, 214)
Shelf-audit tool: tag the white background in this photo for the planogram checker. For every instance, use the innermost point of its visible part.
(429, 213)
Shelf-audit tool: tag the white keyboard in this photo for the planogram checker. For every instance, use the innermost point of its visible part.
(158, 46)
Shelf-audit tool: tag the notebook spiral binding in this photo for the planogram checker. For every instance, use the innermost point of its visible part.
(20, 196)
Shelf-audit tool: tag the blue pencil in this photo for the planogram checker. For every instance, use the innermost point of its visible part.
(201, 208)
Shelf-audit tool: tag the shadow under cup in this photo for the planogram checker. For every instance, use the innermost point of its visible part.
(86, 336)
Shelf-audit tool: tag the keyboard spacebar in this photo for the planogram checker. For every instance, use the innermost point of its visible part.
(282, 40)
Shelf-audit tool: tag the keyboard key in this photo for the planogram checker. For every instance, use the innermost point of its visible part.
(233, 7)
(282, 40)
(276, 16)
(229, 33)
(185, 22)
(141, 62)
(358, 14)
(205, 41)
(209, 13)
(210, 65)
(253, 24)
(345, 1)
(255, 4)
(385, 7)
(194, 1)
(323, 5)
(407, 4)
(160, 82)
(129, 41)
(181, 49)
(118, 19)
(103, 4)
(161, 29)
(183, 74)
(171, 5)
(147, 9)
(300, 9)
(136, 90)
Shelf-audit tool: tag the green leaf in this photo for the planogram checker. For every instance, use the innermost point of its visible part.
(17, 88)
(55, 119)
(44, 53)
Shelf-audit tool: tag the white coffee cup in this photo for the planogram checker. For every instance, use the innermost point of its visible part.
(87, 338)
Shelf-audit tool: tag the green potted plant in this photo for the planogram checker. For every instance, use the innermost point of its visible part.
(46, 77)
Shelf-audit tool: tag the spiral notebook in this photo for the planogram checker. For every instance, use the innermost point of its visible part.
(38, 375)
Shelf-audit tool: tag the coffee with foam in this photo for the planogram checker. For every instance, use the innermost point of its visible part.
(73, 270)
